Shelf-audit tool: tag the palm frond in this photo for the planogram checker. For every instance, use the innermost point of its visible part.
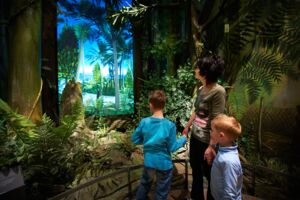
(131, 12)
(84, 9)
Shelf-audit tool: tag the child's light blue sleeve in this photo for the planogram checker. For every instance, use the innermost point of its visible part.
(175, 143)
(137, 137)
(231, 173)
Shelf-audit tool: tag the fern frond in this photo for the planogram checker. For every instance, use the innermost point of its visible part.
(263, 69)
(237, 101)
(289, 41)
(19, 125)
(256, 74)
(269, 64)
(259, 19)
(273, 24)
(253, 89)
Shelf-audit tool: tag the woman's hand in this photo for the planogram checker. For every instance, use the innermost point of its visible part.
(188, 124)
(185, 131)
(209, 155)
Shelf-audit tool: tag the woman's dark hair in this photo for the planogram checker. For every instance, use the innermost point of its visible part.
(212, 67)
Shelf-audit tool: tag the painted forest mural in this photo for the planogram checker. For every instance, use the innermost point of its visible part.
(96, 54)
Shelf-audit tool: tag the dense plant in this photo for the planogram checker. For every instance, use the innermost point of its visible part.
(16, 132)
(48, 154)
(67, 54)
(179, 90)
(66, 155)
(124, 144)
(42, 149)
(163, 50)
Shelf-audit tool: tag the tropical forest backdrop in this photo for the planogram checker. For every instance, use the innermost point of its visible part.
(96, 54)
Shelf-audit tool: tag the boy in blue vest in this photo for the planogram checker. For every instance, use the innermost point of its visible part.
(158, 135)
(226, 172)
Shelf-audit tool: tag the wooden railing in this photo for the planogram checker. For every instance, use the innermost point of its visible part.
(127, 170)
(254, 169)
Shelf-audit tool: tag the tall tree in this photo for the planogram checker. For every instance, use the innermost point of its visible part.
(24, 44)
(98, 82)
(110, 37)
(125, 49)
(4, 50)
(67, 54)
(94, 12)
(83, 33)
(112, 47)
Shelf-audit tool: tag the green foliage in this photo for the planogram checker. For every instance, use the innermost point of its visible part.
(55, 157)
(164, 47)
(48, 154)
(129, 12)
(16, 132)
(163, 50)
(259, 48)
(263, 69)
(124, 144)
(257, 20)
(67, 39)
(276, 165)
(126, 105)
(97, 74)
(99, 104)
(67, 54)
(83, 31)
(67, 63)
(129, 78)
(237, 101)
(127, 99)
(289, 39)
(261, 44)
(247, 143)
(178, 90)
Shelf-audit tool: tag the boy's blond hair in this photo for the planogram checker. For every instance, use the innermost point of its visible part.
(158, 99)
(228, 125)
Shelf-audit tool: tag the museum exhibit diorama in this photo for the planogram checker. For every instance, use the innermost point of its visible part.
(75, 76)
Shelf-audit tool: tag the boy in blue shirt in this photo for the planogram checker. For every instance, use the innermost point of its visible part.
(226, 172)
(158, 135)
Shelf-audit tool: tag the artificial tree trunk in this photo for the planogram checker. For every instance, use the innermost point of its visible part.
(137, 61)
(116, 75)
(24, 45)
(3, 52)
(49, 60)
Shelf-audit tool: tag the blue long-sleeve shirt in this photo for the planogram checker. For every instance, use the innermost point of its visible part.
(158, 135)
(226, 175)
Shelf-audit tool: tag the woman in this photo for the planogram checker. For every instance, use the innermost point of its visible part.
(210, 102)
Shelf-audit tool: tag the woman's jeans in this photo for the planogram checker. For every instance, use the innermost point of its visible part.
(200, 169)
(163, 183)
